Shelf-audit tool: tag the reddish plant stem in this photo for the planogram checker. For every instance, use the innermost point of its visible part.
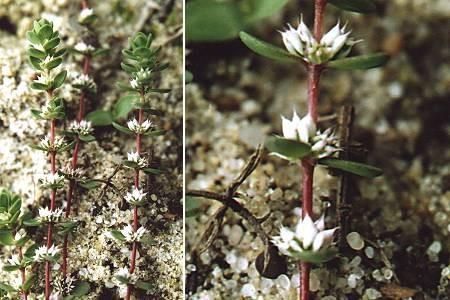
(140, 118)
(80, 117)
(307, 165)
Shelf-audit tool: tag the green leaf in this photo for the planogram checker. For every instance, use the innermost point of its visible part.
(29, 282)
(146, 286)
(87, 138)
(31, 251)
(192, 207)
(33, 38)
(124, 106)
(36, 53)
(53, 63)
(130, 164)
(159, 91)
(152, 171)
(10, 268)
(290, 149)
(100, 118)
(35, 62)
(59, 79)
(44, 32)
(6, 237)
(122, 279)
(38, 86)
(121, 128)
(15, 207)
(52, 43)
(89, 184)
(32, 222)
(267, 50)
(360, 6)
(117, 235)
(359, 62)
(318, 257)
(82, 288)
(6, 287)
(129, 68)
(155, 133)
(212, 21)
(351, 167)
(259, 9)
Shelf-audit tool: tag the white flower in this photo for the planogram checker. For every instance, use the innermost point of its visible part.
(299, 129)
(131, 235)
(82, 128)
(142, 128)
(323, 144)
(84, 48)
(308, 236)
(136, 197)
(301, 42)
(83, 81)
(47, 215)
(48, 146)
(42, 79)
(71, 173)
(20, 234)
(134, 83)
(43, 253)
(14, 260)
(135, 157)
(52, 180)
(84, 14)
(143, 75)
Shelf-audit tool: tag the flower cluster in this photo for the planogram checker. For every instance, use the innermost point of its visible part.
(131, 235)
(63, 285)
(137, 128)
(86, 16)
(140, 78)
(73, 174)
(84, 48)
(301, 42)
(136, 197)
(323, 144)
(136, 158)
(46, 144)
(81, 128)
(309, 241)
(85, 83)
(52, 181)
(46, 254)
(50, 216)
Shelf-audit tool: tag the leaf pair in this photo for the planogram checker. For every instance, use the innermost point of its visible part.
(295, 150)
(276, 53)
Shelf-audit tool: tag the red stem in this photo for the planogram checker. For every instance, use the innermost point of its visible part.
(307, 165)
(140, 117)
(80, 117)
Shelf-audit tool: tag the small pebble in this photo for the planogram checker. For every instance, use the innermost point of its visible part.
(355, 241)
(248, 290)
(370, 252)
